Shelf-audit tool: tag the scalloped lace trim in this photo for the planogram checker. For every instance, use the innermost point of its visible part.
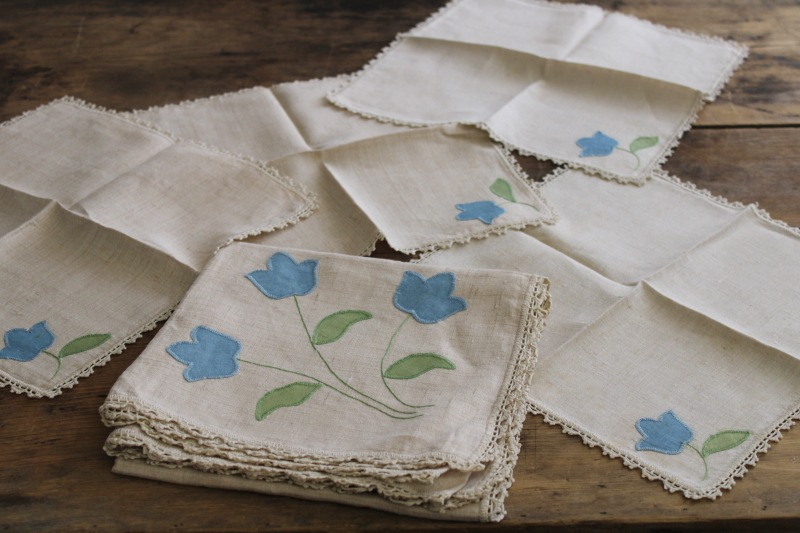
(223, 454)
(285, 182)
(639, 178)
(371, 247)
(18, 387)
(308, 198)
(671, 483)
(522, 176)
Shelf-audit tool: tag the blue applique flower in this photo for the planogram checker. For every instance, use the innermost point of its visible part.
(285, 277)
(210, 354)
(598, 144)
(428, 301)
(669, 434)
(25, 344)
(485, 211)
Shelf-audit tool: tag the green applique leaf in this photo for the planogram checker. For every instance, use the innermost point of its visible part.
(290, 395)
(502, 189)
(332, 327)
(417, 364)
(643, 142)
(724, 440)
(83, 344)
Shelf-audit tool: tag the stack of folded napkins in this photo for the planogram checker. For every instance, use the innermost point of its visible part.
(339, 378)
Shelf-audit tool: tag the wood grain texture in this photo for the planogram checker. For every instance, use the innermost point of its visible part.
(125, 55)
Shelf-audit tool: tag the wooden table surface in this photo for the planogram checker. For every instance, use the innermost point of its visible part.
(131, 54)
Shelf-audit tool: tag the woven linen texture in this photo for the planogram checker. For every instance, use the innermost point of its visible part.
(546, 79)
(104, 223)
(665, 299)
(371, 178)
(441, 443)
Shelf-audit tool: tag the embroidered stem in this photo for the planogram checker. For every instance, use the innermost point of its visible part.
(343, 382)
(638, 161)
(58, 360)
(701, 457)
(383, 362)
(331, 387)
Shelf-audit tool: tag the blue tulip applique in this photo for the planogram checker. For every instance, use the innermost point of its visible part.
(600, 144)
(429, 301)
(597, 145)
(26, 344)
(670, 435)
(210, 354)
(487, 210)
(285, 277)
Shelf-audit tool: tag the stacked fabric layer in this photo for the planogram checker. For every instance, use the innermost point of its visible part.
(353, 380)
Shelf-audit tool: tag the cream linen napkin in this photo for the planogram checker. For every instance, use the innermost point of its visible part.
(104, 223)
(600, 91)
(337, 378)
(422, 189)
(673, 340)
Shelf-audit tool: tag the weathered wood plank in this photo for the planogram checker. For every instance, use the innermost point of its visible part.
(128, 55)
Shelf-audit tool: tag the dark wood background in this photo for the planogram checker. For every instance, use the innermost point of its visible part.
(131, 54)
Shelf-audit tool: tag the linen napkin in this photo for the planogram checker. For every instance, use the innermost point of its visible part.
(421, 189)
(337, 378)
(600, 91)
(104, 223)
(672, 342)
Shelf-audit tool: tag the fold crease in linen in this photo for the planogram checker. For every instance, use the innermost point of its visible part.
(666, 299)
(105, 222)
(484, 62)
(370, 177)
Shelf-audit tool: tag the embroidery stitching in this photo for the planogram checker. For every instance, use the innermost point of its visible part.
(487, 210)
(670, 435)
(26, 344)
(417, 364)
(429, 301)
(600, 145)
(290, 395)
(334, 326)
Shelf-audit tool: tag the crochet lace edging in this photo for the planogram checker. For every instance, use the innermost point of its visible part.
(524, 180)
(308, 198)
(18, 387)
(653, 473)
(309, 201)
(741, 50)
(512, 413)
(640, 177)
(371, 247)
(500, 445)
